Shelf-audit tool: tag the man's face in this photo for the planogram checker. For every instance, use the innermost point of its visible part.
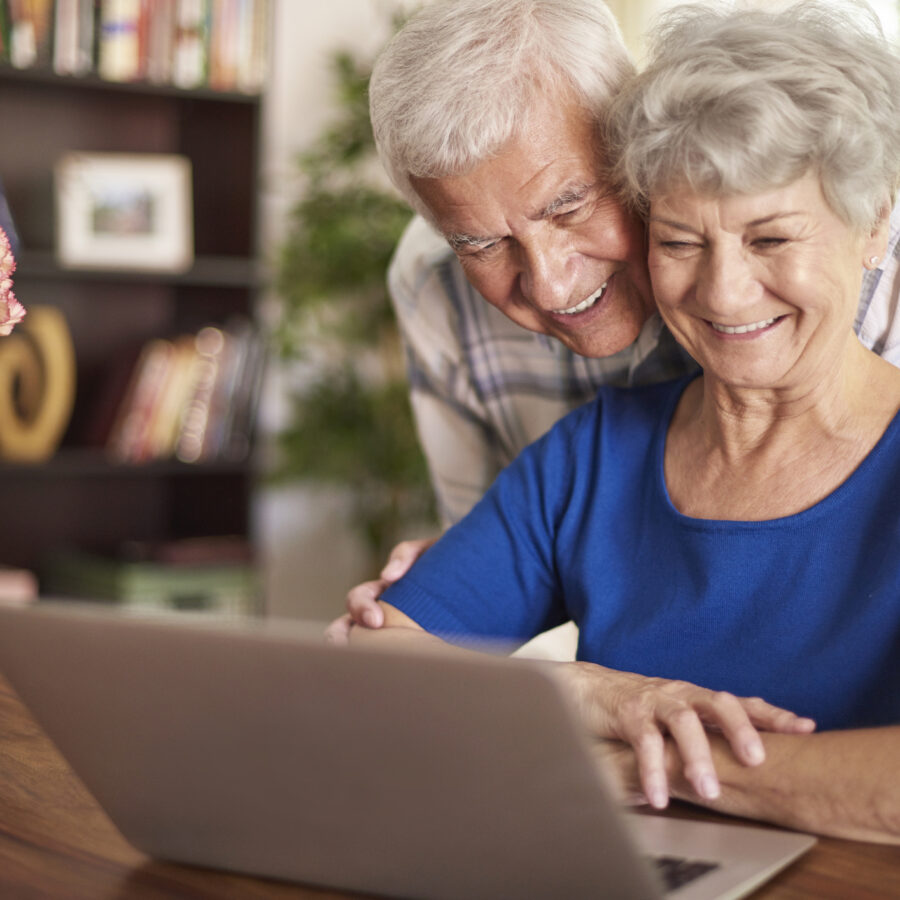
(543, 240)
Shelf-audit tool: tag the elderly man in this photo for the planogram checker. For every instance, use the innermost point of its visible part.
(528, 289)
(486, 115)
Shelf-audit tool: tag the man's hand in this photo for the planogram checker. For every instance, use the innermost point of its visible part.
(362, 600)
(642, 712)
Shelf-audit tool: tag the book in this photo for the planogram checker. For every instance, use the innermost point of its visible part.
(212, 347)
(73, 38)
(127, 439)
(119, 42)
(159, 43)
(239, 416)
(4, 32)
(164, 424)
(189, 66)
(224, 42)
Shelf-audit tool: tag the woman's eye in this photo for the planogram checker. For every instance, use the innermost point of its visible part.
(677, 246)
(767, 242)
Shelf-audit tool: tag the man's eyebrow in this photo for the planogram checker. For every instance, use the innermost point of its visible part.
(463, 241)
(460, 240)
(574, 194)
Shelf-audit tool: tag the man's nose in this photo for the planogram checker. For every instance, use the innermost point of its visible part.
(549, 271)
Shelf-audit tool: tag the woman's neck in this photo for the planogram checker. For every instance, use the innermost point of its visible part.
(757, 454)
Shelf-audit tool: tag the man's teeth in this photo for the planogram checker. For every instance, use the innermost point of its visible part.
(585, 304)
(742, 329)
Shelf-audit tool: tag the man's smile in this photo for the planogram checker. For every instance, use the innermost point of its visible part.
(585, 304)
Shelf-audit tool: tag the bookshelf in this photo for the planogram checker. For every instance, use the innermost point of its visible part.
(81, 499)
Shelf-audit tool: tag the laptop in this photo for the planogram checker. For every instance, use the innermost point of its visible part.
(257, 748)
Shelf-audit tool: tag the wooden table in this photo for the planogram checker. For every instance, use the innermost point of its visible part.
(55, 841)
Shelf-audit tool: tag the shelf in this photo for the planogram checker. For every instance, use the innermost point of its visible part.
(207, 271)
(87, 463)
(80, 497)
(38, 76)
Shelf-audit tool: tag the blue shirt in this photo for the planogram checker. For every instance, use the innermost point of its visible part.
(802, 610)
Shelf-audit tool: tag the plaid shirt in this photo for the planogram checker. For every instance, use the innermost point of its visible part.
(482, 387)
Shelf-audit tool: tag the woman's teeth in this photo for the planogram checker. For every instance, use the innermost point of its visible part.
(742, 329)
(585, 304)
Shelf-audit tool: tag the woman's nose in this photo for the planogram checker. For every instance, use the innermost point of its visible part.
(726, 283)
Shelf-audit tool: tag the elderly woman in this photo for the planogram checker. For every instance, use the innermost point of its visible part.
(763, 555)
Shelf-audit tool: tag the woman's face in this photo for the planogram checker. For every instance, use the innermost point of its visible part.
(761, 289)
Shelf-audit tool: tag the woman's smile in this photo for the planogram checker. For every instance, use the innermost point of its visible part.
(745, 329)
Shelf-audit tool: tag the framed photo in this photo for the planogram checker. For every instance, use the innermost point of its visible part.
(129, 211)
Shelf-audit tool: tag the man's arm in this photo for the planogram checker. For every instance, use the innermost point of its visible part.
(844, 784)
(426, 288)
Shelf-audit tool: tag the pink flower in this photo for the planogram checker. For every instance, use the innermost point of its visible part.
(11, 311)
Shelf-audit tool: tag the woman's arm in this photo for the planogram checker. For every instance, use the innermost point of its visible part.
(844, 784)
(638, 710)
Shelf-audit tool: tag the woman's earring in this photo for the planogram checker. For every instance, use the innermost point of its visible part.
(873, 261)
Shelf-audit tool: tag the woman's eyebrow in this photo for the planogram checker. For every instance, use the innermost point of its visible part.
(765, 220)
(755, 223)
(680, 226)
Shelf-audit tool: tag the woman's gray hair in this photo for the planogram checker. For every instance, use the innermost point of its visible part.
(460, 79)
(740, 101)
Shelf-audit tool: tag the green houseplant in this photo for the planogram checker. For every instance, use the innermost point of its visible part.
(351, 423)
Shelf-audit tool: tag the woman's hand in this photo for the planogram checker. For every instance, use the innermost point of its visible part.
(362, 600)
(643, 711)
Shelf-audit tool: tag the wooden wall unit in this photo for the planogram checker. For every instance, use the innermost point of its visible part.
(80, 498)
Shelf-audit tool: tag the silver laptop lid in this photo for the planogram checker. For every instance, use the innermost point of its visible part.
(259, 749)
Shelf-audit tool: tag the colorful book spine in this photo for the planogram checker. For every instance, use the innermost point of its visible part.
(192, 398)
(119, 48)
(217, 44)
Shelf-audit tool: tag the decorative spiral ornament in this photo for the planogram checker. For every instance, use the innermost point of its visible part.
(37, 386)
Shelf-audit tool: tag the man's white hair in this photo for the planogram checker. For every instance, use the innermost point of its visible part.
(736, 101)
(460, 79)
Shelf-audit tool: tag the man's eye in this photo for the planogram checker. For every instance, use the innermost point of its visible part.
(483, 251)
(575, 214)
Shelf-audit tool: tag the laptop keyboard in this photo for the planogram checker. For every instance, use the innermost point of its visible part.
(676, 871)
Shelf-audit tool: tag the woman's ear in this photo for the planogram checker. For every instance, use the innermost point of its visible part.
(875, 245)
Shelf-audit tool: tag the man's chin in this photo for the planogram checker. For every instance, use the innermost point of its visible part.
(599, 342)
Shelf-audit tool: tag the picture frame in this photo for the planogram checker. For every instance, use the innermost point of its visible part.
(124, 211)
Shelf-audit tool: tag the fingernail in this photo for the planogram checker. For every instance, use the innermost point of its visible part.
(392, 570)
(658, 796)
(709, 787)
(372, 619)
(755, 753)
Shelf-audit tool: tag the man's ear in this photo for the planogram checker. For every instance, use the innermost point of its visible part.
(875, 245)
